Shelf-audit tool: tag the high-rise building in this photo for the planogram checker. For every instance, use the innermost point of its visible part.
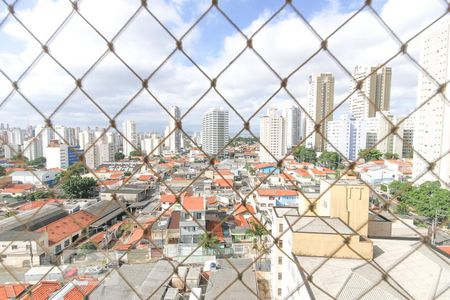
(45, 134)
(215, 131)
(272, 135)
(130, 133)
(432, 120)
(375, 91)
(346, 136)
(85, 137)
(174, 140)
(293, 125)
(151, 144)
(32, 148)
(61, 156)
(65, 135)
(319, 107)
(408, 137)
(378, 133)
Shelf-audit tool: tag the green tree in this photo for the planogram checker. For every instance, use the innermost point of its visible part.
(79, 187)
(398, 187)
(127, 173)
(77, 169)
(208, 241)
(37, 163)
(303, 154)
(135, 153)
(429, 200)
(2, 171)
(119, 156)
(90, 246)
(257, 231)
(402, 208)
(38, 195)
(10, 213)
(329, 159)
(390, 155)
(370, 154)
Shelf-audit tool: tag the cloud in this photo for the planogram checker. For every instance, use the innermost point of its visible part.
(285, 43)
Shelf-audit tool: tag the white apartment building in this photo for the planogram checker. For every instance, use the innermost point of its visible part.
(377, 128)
(346, 136)
(375, 92)
(130, 133)
(432, 120)
(272, 136)
(408, 137)
(45, 134)
(57, 156)
(98, 154)
(293, 126)
(114, 140)
(32, 148)
(85, 138)
(319, 107)
(174, 140)
(152, 145)
(65, 135)
(215, 128)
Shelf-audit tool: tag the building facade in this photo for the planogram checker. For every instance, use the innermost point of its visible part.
(319, 107)
(272, 136)
(375, 91)
(432, 120)
(215, 128)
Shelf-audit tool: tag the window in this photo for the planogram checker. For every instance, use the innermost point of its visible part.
(279, 292)
(280, 260)
(27, 247)
(14, 247)
(280, 227)
(66, 243)
(280, 243)
(280, 275)
(58, 249)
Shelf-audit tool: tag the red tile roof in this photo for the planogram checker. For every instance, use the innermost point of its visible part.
(81, 289)
(65, 227)
(287, 177)
(278, 193)
(224, 182)
(263, 165)
(145, 177)
(212, 200)
(302, 173)
(446, 249)
(169, 198)
(42, 291)
(11, 290)
(194, 203)
(244, 209)
(17, 188)
(98, 237)
(216, 229)
(38, 203)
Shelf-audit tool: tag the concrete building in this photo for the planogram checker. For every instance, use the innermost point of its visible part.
(345, 135)
(215, 131)
(32, 148)
(151, 144)
(85, 137)
(45, 135)
(408, 137)
(175, 138)
(319, 107)
(189, 228)
(432, 126)
(130, 133)
(375, 92)
(272, 136)
(61, 156)
(23, 249)
(65, 135)
(293, 126)
(37, 178)
(377, 128)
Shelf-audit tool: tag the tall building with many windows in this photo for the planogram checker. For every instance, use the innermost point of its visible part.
(174, 140)
(215, 131)
(319, 107)
(345, 135)
(272, 136)
(293, 126)
(376, 88)
(432, 120)
(130, 133)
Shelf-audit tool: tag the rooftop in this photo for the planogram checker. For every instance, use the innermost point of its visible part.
(276, 192)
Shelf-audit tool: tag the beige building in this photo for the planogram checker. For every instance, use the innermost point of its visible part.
(375, 93)
(23, 249)
(320, 106)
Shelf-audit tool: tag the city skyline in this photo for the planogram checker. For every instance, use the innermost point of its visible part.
(111, 85)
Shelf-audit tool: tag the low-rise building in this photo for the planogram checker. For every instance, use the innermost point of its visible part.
(23, 249)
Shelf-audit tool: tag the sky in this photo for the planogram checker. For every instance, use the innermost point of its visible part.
(285, 43)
